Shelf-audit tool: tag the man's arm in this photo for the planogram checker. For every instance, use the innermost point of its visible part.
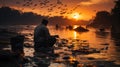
(56, 36)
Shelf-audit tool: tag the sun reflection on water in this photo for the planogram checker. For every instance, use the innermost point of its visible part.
(75, 35)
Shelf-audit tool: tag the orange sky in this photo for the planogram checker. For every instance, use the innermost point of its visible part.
(86, 9)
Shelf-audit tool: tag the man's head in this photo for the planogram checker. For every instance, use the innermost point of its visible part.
(44, 21)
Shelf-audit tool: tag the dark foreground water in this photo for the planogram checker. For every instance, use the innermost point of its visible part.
(97, 40)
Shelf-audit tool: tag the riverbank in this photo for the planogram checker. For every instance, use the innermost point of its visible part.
(103, 51)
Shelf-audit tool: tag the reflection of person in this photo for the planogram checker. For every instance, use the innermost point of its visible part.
(56, 26)
(42, 37)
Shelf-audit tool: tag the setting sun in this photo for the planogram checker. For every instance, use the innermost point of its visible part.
(76, 16)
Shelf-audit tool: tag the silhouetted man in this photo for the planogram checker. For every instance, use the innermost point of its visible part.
(42, 37)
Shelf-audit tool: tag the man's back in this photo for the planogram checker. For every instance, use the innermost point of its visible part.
(41, 32)
(42, 36)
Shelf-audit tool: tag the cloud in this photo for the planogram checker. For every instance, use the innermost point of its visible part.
(91, 2)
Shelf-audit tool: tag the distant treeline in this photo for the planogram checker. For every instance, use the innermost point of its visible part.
(108, 19)
(12, 16)
(102, 19)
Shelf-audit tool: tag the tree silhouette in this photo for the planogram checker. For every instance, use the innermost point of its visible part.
(115, 14)
(102, 19)
(116, 9)
(8, 14)
(12, 16)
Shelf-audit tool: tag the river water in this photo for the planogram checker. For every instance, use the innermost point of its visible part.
(95, 38)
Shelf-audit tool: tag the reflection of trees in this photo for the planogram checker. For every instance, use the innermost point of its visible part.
(102, 34)
(116, 41)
